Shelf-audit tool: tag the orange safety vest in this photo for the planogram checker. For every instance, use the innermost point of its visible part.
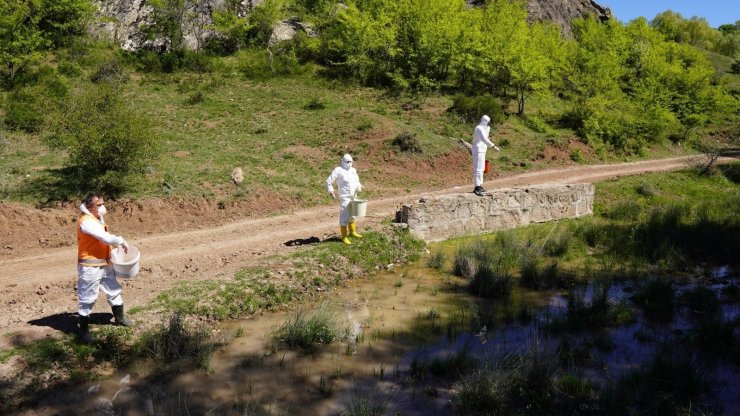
(90, 250)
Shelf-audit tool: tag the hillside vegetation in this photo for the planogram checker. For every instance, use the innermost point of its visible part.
(396, 83)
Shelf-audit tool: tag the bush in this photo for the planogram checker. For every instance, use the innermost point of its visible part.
(106, 140)
(472, 108)
(735, 66)
(407, 143)
(109, 71)
(23, 113)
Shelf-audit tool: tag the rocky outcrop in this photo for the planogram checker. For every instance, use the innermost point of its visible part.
(442, 217)
(563, 12)
(124, 20)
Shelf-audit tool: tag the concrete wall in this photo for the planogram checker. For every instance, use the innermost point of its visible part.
(437, 218)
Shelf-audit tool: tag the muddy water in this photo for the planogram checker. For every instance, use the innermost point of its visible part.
(394, 319)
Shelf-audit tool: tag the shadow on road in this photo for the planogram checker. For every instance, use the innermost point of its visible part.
(303, 241)
(67, 322)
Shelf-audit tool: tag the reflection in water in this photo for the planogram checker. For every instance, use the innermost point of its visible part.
(397, 323)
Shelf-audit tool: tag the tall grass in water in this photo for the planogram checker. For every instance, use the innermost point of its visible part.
(366, 401)
(304, 329)
(671, 382)
(488, 264)
(657, 299)
(516, 384)
(176, 342)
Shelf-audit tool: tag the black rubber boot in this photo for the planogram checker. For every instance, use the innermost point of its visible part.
(85, 337)
(120, 319)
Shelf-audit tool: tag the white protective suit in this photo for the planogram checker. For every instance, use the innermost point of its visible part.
(348, 184)
(480, 145)
(91, 279)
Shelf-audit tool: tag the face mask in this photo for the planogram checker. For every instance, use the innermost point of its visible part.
(102, 210)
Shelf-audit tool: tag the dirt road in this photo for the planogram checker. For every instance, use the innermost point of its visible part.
(39, 284)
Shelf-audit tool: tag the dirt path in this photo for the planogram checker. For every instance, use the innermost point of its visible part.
(39, 285)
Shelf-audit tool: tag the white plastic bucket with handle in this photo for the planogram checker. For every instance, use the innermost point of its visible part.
(358, 207)
(126, 265)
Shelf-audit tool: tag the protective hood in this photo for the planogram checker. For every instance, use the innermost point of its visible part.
(484, 121)
(346, 161)
(84, 210)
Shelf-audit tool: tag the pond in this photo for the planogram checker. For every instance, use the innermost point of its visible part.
(414, 337)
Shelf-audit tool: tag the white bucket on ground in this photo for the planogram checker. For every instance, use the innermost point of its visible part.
(126, 265)
(358, 207)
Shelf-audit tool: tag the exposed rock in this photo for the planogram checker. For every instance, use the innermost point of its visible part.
(563, 12)
(287, 30)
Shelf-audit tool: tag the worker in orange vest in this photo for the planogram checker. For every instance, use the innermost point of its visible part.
(94, 270)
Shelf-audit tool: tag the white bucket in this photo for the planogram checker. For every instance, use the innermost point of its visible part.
(358, 207)
(126, 265)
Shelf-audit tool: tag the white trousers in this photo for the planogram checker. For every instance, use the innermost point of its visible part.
(344, 217)
(479, 164)
(89, 282)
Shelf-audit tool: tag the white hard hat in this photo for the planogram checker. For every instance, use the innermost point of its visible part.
(485, 119)
(346, 158)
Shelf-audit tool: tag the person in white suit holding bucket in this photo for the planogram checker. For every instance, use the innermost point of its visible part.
(94, 269)
(348, 184)
(480, 145)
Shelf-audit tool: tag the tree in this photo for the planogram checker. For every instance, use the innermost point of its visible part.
(107, 141)
(63, 20)
(169, 17)
(21, 40)
(531, 67)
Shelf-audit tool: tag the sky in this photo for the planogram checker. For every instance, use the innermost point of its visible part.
(717, 12)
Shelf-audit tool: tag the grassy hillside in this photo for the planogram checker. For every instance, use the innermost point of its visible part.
(286, 133)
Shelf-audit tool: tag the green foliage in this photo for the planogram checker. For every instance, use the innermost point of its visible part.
(404, 45)
(261, 20)
(107, 142)
(472, 108)
(407, 142)
(63, 20)
(24, 112)
(231, 29)
(168, 17)
(21, 40)
(29, 27)
(696, 31)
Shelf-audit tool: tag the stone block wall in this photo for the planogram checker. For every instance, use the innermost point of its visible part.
(437, 218)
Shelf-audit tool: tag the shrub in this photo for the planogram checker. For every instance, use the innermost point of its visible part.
(472, 108)
(315, 103)
(436, 260)
(23, 113)
(106, 140)
(407, 142)
(109, 71)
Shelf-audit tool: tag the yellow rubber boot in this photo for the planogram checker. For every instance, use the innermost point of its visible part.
(353, 230)
(343, 230)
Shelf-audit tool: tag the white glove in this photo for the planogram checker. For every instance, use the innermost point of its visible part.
(496, 148)
(333, 195)
(124, 244)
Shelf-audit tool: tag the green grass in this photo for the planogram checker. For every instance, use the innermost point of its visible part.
(260, 288)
